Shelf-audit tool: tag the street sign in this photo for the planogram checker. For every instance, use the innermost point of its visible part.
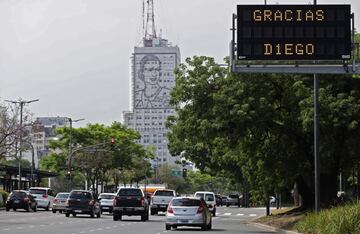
(293, 32)
(175, 173)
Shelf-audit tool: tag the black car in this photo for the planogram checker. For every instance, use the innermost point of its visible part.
(218, 200)
(83, 202)
(20, 199)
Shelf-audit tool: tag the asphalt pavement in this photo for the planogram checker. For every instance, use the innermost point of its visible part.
(229, 220)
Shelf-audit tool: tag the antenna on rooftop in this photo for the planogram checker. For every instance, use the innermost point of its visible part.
(149, 23)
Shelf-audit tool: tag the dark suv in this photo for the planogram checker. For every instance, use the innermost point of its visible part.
(19, 199)
(130, 201)
(83, 202)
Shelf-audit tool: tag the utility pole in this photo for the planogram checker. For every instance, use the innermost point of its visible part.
(69, 172)
(21, 103)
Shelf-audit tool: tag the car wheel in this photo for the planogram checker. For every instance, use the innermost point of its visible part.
(115, 217)
(227, 205)
(152, 212)
(14, 209)
(143, 217)
(60, 211)
(74, 215)
(67, 214)
(167, 227)
(7, 208)
(204, 227)
(54, 211)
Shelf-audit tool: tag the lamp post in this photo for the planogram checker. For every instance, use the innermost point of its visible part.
(21, 103)
(32, 162)
(69, 172)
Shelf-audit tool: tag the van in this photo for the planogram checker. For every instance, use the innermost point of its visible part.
(209, 198)
(43, 196)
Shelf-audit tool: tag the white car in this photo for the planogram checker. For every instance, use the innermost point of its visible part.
(106, 202)
(209, 198)
(43, 196)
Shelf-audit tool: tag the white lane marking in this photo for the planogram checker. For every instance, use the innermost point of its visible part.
(240, 214)
(82, 232)
(6, 229)
(227, 214)
(92, 230)
(19, 228)
(252, 215)
(108, 228)
(99, 229)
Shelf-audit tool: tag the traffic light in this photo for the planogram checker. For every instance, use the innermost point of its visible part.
(184, 172)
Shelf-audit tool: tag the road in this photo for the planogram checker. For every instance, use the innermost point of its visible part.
(229, 220)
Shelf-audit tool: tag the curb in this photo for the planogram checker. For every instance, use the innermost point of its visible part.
(270, 228)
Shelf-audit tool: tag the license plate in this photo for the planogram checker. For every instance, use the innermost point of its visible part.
(183, 221)
(105, 208)
(78, 211)
(16, 201)
(129, 209)
(162, 206)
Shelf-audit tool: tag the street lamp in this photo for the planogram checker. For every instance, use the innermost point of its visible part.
(21, 103)
(69, 172)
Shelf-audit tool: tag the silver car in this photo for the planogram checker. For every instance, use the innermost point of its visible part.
(188, 211)
(59, 203)
(106, 202)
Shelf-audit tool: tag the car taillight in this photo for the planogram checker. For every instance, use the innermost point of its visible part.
(200, 209)
(142, 201)
(55, 200)
(114, 202)
(92, 202)
(170, 209)
(45, 196)
(26, 200)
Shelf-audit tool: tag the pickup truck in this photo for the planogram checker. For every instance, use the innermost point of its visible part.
(130, 201)
(160, 200)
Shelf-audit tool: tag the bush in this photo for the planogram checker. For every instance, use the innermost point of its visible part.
(339, 220)
(4, 196)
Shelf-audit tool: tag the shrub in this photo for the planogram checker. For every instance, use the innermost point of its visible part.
(4, 196)
(339, 220)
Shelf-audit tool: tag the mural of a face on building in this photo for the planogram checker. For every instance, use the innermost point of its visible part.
(152, 94)
(150, 68)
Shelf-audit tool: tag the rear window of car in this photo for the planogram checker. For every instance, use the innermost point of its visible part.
(18, 194)
(234, 196)
(164, 193)
(62, 195)
(201, 195)
(209, 197)
(37, 191)
(129, 192)
(80, 195)
(186, 202)
(107, 196)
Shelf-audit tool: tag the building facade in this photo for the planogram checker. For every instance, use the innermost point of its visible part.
(152, 78)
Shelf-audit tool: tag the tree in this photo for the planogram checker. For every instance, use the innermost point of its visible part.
(258, 127)
(93, 155)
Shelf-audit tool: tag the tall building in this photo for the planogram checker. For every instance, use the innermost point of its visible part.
(152, 78)
(41, 132)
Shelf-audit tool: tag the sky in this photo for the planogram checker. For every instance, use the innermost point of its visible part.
(74, 55)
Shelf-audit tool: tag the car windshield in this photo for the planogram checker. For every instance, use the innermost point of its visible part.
(107, 196)
(18, 194)
(62, 195)
(186, 202)
(164, 193)
(80, 195)
(37, 191)
(129, 192)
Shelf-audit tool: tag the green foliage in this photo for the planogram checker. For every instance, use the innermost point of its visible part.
(94, 158)
(199, 181)
(259, 127)
(15, 163)
(339, 220)
(4, 195)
